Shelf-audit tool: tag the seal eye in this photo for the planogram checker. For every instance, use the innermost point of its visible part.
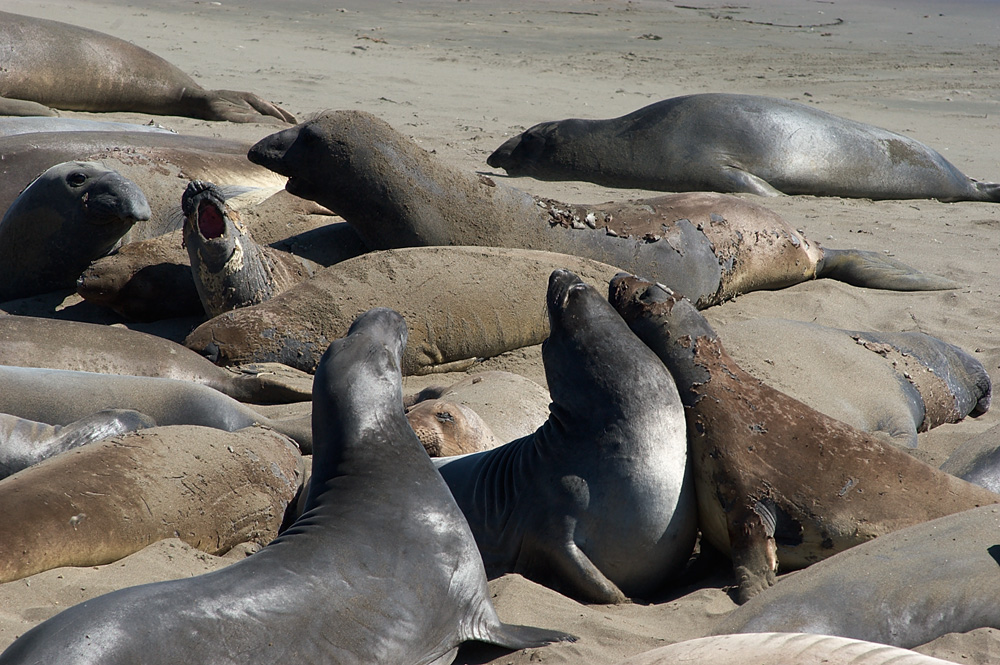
(76, 178)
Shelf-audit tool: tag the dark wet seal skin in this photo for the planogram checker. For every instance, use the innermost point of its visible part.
(338, 585)
(709, 247)
(738, 143)
(597, 503)
(229, 268)
(72, 214)
(778, 483)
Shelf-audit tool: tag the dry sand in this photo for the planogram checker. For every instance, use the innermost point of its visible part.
(460, 77)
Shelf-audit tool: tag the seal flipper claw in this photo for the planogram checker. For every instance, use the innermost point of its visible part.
(877, 271)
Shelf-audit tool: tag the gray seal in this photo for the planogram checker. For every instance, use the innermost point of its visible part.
(598, 502)
(396, 578)
(977, 460)
(70, 215)
(738, 143)
(59, 397)
(64, 66)
(709, 247)
(904, 588)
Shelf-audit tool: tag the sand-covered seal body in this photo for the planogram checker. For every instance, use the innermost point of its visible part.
(905, 588)
(977, 460)
(597, 502)
(707, 247)
(738, 143)
(64, 66)
(779, 483)
(395, 578)
(72, 214)
(229, 268)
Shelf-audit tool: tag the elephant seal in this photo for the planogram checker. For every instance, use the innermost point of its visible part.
(598, 502)
(59, 397)
(27, 341)
(448, 428)
(453, 318)
(905, 588)
(325, 590)
(977, 460)
(724, 142)
(70, 215)
(65, 66)
(103, 501)
(778, 483)
(772, 648)
(893, 384)
(230, 269)
(708, 247)
(36, 124)
(27, 442)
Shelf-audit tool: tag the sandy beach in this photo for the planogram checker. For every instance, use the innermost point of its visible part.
(460, 77)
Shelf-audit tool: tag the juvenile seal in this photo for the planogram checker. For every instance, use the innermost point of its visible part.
(27, 341)
(229, 268)
(724, 142)
(894, 384)
(778, 483)
(325, 590)
(70, 215)
(773, 648)
(59, 397)
(65, 66)
(453, 317)
(103, 501)
(708, 247)
(597, 502)
(27, 442)
(905, 588)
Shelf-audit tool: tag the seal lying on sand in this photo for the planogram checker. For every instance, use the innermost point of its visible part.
(61, 396)
(905, 588)
(450, 296)
(395, 578)
(977, 460)
(723, 142)
(597, 503)
(27, 341)
(68, 67)
(27, 442)
(708, 247)
(229, 268)
(895, 384)
(774, 648)
(777, 482)
(70, 215)
(106, 500)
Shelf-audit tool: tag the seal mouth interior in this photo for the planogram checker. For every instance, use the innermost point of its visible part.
(210, 221)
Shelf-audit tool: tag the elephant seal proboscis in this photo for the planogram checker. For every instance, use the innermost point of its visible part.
(229, 268)
(598, 502)
(895, 384)
(724, 142)
(59, 397)
(27, 442)
(65, 66)
(905, 588)
(67, 217)
(708, 247)
(449, 295)
(326, 590)
(778, 483)
(103, 501)
(27, 341)
(773, 648)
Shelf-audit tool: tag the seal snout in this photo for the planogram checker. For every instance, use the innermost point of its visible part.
(562, 283)
(110, 196)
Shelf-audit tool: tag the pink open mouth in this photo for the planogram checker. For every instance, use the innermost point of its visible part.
(210, 221)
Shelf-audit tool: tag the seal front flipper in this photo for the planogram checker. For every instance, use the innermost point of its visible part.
(754, 552)
(877, 271)
(735, 179)
(515, 636)
(572, 572)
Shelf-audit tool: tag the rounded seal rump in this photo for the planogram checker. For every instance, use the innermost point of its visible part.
(724, 142)
(597, 503)
(394, 579)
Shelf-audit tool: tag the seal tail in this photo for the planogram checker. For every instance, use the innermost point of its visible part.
(877, 271)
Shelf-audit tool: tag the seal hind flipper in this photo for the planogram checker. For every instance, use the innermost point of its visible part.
(877, 271)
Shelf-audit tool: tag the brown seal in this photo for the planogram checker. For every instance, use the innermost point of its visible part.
(779, 483)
